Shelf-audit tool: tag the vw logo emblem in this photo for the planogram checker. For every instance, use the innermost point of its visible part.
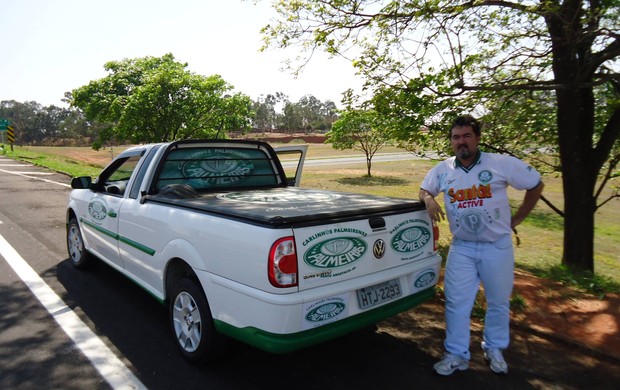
(378, 249)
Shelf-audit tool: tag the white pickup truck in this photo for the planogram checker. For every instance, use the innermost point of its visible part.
(216, 230)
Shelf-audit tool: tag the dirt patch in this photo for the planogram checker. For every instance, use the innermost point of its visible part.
(559, 311)
(551, 310)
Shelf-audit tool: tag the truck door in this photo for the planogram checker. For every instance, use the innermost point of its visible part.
(99, 214)
(292, 159)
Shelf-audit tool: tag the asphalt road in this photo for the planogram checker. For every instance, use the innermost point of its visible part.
(117, 335)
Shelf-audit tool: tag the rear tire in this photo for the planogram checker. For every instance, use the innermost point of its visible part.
(192, 324)
(79, 256)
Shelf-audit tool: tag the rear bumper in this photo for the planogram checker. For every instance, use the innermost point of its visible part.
(285, 322)
(284, 343)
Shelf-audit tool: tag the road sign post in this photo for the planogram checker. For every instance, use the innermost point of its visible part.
(10, 135)
(5, 126)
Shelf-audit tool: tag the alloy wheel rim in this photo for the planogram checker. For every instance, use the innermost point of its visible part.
(75, 244)
(187, 322)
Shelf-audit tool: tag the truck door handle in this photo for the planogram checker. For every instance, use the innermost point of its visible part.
(377, 223)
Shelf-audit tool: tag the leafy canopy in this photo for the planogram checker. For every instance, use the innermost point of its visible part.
(154, 99)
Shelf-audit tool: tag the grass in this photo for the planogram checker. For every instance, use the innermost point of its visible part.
(541, 234)
(58, 161)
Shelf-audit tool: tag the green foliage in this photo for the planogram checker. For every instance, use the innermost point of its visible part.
(35, 123)
(364, 130)
(517, 303)
(156, 99)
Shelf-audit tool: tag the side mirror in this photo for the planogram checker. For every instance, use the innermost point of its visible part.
(81, 183)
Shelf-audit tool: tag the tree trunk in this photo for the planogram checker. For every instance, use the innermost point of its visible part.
(575, 119)
(579, 209)
(579, 174)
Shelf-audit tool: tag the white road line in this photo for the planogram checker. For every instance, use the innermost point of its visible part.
(103, 359)
(35, 178)
(36, 173)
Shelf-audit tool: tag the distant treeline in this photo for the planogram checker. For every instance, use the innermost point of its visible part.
(36, 124)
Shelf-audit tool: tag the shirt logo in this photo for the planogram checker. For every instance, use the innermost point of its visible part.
(473, 193)
(485, 176)
(473, 221)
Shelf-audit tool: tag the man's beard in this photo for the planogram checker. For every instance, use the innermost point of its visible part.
(463, 153)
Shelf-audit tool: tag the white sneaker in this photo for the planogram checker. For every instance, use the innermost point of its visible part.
(496, 360)
(450, 363)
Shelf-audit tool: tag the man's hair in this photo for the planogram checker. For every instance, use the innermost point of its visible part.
(466, 120)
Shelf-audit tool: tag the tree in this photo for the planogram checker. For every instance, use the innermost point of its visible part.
(156, 99)
(317, 115)
(292, 119)
(307, 115)
(441, 54)
(359, 129)
(50, 125)
(265, 112)
(26, 118)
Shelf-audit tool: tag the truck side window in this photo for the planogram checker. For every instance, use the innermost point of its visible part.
(135, 187)
(114, 181)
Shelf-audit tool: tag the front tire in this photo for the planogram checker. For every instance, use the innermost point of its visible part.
(192, 323)
(79, 256)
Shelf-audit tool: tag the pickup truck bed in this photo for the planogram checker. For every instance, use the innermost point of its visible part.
(290, 206)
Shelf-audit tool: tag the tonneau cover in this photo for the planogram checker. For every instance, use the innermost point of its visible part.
(282, 207)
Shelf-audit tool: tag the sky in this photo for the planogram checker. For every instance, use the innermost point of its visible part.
(49, 47)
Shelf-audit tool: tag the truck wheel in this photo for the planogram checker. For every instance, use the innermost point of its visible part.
(192, 323)
(79, 256)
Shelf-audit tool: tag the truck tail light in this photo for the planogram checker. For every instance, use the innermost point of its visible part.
(435, 236)
(282, 265)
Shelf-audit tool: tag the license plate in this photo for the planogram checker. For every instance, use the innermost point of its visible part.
(379, 293)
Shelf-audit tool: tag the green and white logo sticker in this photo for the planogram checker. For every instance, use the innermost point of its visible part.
(411, 239)
(335, 252)
(425, 278)
(279, 197)
(218, 167)
(97, 209)
(324, 311)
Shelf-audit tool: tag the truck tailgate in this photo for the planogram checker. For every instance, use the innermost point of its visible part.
(330, 253)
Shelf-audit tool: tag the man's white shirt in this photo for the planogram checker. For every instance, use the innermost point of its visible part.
(476, 197)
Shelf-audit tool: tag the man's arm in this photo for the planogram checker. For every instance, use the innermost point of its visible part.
(433, 208)
(529, 201)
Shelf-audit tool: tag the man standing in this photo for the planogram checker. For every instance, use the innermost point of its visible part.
(475, 186)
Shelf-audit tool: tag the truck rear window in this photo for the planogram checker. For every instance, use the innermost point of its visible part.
(217, 168)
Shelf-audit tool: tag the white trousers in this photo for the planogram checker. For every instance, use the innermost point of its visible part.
(468, 264)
